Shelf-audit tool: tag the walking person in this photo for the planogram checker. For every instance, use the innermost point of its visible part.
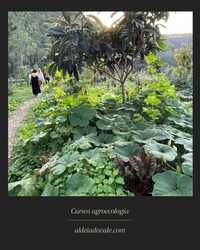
(41, 76)
(35, 83)
(29, 77)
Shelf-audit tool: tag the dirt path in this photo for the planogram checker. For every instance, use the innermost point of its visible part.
(15, 120)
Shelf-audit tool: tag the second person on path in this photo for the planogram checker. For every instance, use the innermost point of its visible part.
(41, 76)
(35, 83)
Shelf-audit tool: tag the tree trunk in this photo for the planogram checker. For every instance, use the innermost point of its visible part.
(123, 93)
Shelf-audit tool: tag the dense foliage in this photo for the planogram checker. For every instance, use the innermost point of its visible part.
(181, 74)
(88, 134)
(114, 51)
(80, 140)
(28, 44)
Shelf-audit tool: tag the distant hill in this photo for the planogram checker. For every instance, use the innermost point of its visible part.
(175, 41)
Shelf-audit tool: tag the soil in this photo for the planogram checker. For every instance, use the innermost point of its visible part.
(14, 121)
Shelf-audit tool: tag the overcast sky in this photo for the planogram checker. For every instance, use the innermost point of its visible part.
(178, 22)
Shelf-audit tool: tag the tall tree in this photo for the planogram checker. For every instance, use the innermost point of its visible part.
(113, 51)
(28, 43)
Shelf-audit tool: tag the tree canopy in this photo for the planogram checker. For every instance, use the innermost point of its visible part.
(114, 51)
(28, 43)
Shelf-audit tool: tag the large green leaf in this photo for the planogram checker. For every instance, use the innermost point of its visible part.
(171, 183)
(14, 190)
(104, 138)
(187, 143)
(28, 187)
(50, 190)
(152, 133)
(86, 142)
(81, 115)
(176, 132)
(120, 141)
(104, 125)
(187, 164)
(124, 151)
(121, 124)
(124, 135)
(187, 168)
(95, 156)
(160, 151)
(105, 122)
(80, 131)
(94, 139)
(65, 161)
(79, 185)
(182, 122)
(187, 157)
(83, 143)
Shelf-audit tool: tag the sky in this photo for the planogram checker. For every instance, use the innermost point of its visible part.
(178, 22)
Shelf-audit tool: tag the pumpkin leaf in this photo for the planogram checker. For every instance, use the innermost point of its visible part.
(187, 143)
(124, 151)
(80, 131)
(104, 125)
(159, 150)
(124, 135)
(187, 168)
(50, 190)
(81, 115)
(65, 161)
(79, 185)
(152, 133)
(14, 190)
(176, 132)
(187, 157)
(83, 143)
(94, 156)
(28, 187)
(104, 138)
(187, 164)
(171, 183)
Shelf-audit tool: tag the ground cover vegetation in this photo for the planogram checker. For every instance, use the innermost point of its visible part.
(130, 134)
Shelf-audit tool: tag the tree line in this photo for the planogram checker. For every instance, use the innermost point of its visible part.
(28, 44)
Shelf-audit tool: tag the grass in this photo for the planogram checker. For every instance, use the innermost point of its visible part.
(18, 95)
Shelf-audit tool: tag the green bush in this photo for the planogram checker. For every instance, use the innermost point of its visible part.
(95, 141)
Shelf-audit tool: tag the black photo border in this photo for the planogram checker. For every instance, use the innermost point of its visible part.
(44, 221)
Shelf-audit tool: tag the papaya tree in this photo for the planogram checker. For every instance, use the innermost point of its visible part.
(115, 51)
